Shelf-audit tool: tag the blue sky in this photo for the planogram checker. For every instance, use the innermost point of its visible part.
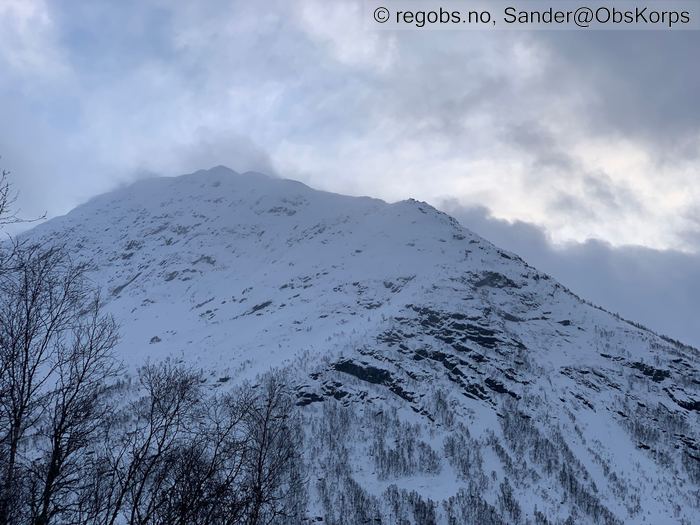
(589, 141)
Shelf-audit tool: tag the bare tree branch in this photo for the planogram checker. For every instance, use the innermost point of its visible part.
(54, 348)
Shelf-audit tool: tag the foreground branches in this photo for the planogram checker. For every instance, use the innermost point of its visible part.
(6, 198)
(55, 358)
(80, 443)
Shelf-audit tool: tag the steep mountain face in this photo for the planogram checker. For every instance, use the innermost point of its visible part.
(441, 380)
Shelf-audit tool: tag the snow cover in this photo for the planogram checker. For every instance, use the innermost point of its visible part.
(423, 357)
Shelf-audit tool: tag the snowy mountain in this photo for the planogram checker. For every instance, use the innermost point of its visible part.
(441, 379)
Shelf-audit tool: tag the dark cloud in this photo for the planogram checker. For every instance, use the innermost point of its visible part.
(533, 139)
(597, 196)
(566, 203)
(643, 85)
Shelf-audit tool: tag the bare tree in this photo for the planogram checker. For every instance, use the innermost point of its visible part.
(274, 444)
(245, 468)
(7, 198)
(37, 304)
(184, 455)
(204, 484)
(160, 422)
(9, 245)
(55, 349)
(80, 402)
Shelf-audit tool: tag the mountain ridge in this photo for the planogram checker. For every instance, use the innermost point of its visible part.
(224, 170)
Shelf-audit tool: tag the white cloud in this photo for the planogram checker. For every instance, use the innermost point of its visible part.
(339, 25)
(27, 39)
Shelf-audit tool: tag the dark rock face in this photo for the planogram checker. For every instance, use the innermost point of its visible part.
(477, 359)
(495, 280)
(656, 374)
(366, 373)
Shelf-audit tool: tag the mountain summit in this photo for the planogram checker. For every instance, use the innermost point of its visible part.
(441, 379)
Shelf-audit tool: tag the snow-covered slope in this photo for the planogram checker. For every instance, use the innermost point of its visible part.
(441, 379)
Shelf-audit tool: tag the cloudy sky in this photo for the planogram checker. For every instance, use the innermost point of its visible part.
(579, 150)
